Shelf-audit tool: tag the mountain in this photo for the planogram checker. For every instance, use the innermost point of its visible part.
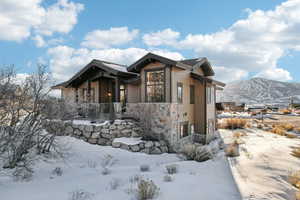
(260, 90)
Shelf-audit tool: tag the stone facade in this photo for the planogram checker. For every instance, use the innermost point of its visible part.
(104, 134)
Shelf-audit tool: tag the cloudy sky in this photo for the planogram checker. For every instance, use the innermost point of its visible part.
(242, 39)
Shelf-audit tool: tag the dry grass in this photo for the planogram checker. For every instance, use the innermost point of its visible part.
(294, 179)
(239, 134)
(232, 150)
(296, 152)
(286, 111)
(278, 131)
(287, 126)
(291, 135)
(297, 195)
(234, 123)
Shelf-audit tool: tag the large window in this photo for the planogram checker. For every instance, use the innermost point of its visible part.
(210, 95)
(155, 86)
(179, 92)
(192, 94)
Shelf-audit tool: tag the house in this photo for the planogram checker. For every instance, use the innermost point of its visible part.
(172, 99)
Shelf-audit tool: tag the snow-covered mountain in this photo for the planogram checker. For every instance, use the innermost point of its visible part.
(260, 90)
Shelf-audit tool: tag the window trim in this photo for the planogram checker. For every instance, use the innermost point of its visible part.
(179, 99)
(164, 84)
(192, 98)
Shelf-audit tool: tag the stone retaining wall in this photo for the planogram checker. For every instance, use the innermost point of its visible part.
(104, 134)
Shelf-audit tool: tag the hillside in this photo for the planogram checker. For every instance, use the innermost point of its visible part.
(260, 90)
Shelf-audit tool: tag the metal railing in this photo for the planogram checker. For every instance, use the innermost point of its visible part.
(100, 111)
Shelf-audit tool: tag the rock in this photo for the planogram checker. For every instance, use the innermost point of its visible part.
(114, 133)
(105, 131)
(157, 144)
(146, 150)
(135, 148)
(109, 143)
(128, 126)
(87, 134)
(155, 151)
(126, 133)
(106, 135)
(112, 127)
(117, 122)
(81, 127)
(148, 144)
(116, 144)
(89, 128)
(124, 146)
(97, 128)
(69, 130)
(102, 141)
(164, 149)
(162, 143)
(77, 132)
(93, 140)
(135, 134)
(120, 127)
(95, 135)
(142, 145)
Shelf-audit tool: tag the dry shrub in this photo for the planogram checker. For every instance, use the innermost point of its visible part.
(146, 189)
(260, 126)
(297, 195)
(278, 131)
(172, 169)
(286, 111)
(232, 150)
(294, 179)
(291, 135)
(296, 152)
(287, 126)
(239, 134)
(235, 123)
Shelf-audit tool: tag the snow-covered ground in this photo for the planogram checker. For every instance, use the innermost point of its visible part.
(210, 180)
(264, 163)
(241, 115)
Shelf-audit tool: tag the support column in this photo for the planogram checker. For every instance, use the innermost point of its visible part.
(117, 90)
(89, 92)
(76, 95)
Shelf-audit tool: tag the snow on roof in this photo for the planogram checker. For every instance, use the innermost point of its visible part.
(121, 68)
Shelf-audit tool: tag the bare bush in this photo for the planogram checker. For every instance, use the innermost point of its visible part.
(80, 195)
(234, 123)
(195, 152)
(21, 118)
(232, 150)
(145, 190)
(59, 109)
(91, 164)
(144, 168)
(172, 169)
(106, 162)
(114, 184)
(57, 171)
(168, 178)
(22, 174)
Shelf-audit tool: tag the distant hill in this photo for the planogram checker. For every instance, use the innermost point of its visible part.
(260, 90)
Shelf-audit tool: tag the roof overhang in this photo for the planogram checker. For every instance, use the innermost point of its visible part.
(203, 79)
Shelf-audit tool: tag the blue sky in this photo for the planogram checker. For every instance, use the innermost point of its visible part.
(242, 39)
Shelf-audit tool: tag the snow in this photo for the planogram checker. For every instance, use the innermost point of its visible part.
(242, 115)
(87, 122)
(128, 141)
(264, 163)
(207, 180)
(116, 67)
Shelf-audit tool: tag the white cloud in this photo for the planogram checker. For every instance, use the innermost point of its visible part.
(39, 41)
(278, 74)
(226, 74)
(254, 44)
(18, 19)
(101, 39)
(164, 37)
(66, 61)
(59, 17)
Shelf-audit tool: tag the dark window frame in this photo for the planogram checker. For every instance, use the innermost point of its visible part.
(179, 98)
(163, 69)
(192, 94)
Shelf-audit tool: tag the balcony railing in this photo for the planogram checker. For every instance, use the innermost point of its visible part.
(100, 111)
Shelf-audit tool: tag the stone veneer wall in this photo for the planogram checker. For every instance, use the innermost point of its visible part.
(160, 119)
(104, 134)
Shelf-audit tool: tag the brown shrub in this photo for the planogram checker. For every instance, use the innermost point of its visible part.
(278, 131)
(239, 134)
(232, 150)
(286, 111)
(294, 179)
(291, 135)
(296, 152)
(234, 123)
(287, 126)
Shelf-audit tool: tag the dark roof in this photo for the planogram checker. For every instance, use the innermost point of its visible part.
(205, 79)
(100, 66)
(183, 64)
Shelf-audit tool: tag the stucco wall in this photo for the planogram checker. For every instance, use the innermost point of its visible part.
(133, 93)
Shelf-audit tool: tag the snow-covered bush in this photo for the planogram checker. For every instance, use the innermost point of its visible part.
(22, 174)
(91, 164)
(105, 171)
(106, 162)
(168, 178)
(144, 190)
(172, 169)
(144, 168)
(114, 184)
(80, 195)
(57, 171)
(196, 152)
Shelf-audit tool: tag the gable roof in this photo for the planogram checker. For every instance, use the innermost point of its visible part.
(183, 64)
(99, 65)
